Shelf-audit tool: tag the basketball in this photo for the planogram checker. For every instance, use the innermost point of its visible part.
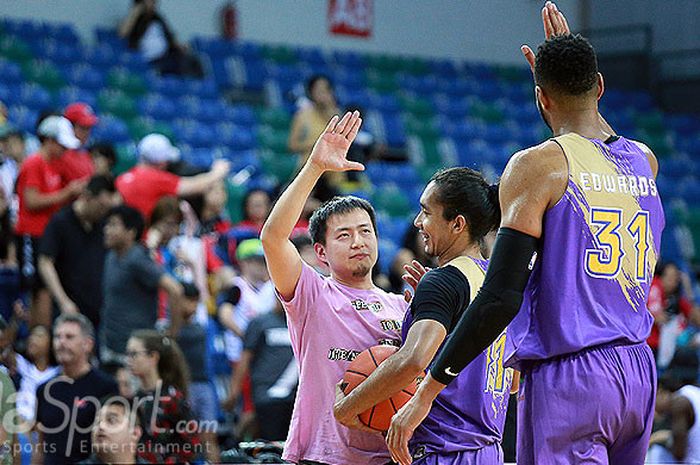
(379, 416)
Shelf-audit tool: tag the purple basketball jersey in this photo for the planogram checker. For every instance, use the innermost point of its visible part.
(470, 413)
(598, 252)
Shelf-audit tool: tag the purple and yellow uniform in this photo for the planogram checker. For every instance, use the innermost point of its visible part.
(465, 424)
(588, 376)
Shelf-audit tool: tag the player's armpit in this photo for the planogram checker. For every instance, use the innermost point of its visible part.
(533, 181)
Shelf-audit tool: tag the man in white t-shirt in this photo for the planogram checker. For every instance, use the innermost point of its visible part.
(331, 319)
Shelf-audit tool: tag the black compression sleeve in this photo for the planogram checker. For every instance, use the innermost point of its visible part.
(495, 305)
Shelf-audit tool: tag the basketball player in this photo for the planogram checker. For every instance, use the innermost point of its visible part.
(581, 221)
(330, 319)
(465, 424)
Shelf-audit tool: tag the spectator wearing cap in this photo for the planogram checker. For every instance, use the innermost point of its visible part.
(143, 185)
(41, 195)
(76, 163)
(72, 251)
(250, 295)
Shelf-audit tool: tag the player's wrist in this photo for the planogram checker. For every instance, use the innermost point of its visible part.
(429, 389)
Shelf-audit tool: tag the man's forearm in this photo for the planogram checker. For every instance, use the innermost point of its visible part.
(288, 208)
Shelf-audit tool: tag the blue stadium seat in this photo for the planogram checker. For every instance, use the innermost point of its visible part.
(349, 59)
(444, 68)
(158, 107)
(11, 72)
(237, 138)
(70, 94)
(239, 114)
(394, 130)
(202, 88)
(311, 56)
(62, 32)
(111, 129)
(102, 56)
(23, 117)
(169, 86)
(193, 133)
(86, 77)
(35, 96)
(387, 252)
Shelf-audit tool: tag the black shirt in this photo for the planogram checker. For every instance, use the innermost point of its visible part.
(442, 295)
(79, 258)
(192, 338)
(76, 399)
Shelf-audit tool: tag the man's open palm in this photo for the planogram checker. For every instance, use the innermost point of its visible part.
(331, 149)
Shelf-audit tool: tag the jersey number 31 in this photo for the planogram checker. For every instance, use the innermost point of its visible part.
(605, 260)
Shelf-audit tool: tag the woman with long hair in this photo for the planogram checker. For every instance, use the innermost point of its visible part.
(169, 432)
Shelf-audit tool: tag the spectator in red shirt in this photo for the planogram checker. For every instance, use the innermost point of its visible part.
(669, 302)
(77, 163)
(143, 185)
(40, 195)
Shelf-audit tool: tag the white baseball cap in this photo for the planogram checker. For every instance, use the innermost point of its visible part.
(60, 129)
(156, 148)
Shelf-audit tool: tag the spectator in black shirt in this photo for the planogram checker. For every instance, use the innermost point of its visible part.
(67, 404)
(145, 29)
(72, 251)
(192, 338)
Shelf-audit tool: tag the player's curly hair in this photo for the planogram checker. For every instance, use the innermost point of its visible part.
(566, 64)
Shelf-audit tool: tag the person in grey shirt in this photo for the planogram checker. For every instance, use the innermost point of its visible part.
(130, 286)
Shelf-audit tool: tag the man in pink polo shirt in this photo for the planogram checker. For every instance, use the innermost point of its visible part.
(330, 319)
(146, 183)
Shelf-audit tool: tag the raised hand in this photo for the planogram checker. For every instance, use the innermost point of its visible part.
(331, 149)
(554, 23)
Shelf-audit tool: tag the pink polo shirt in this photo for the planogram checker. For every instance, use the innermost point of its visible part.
(329, 324)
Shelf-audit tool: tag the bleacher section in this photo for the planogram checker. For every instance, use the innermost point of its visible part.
(441, 112)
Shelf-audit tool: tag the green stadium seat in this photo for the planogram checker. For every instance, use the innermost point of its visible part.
(234, 203)
(382, 81)
(418, 107)
(118, 103)
(272, 139)
(487, 112)
(141, 126)
(392, 201)
(279, 165)
(279, 53)
(43, 73)
(15, 49)
(126, 81)
(278, 118)
(422, 127)
(126, 159)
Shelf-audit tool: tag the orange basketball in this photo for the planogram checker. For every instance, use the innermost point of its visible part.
(379, 416)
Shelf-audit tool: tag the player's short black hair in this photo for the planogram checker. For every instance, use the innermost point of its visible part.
(131, 217)
(566, 64)
(337, 206)
(463, 191)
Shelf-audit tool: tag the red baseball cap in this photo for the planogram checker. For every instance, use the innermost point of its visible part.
(81, 114)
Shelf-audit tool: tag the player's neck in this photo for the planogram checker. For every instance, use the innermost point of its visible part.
(459, 250)
(584, 122)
